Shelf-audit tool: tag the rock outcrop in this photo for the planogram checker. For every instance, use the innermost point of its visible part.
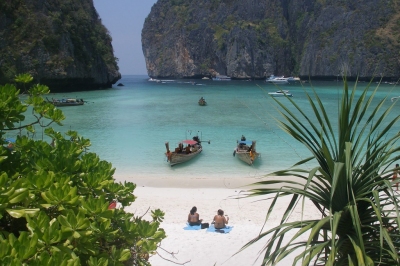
(62, 43)
(256, 38)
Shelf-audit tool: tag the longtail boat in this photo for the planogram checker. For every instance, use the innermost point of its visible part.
(246, 151)
(187, 149)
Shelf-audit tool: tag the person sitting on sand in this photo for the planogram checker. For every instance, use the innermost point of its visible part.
(219, 220)
(194, 217)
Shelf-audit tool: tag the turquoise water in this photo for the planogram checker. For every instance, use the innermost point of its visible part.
(129, 125)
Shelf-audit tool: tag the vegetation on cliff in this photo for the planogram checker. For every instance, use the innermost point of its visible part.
(254, 39)
(57, 42)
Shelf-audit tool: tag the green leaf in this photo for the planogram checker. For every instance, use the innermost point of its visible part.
(125, 255)
(21, 212)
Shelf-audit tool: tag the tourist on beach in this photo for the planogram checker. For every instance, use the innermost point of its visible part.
(219, 220)
(395, 175)
(194, 217)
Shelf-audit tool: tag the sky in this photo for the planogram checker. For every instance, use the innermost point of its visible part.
(124, 20)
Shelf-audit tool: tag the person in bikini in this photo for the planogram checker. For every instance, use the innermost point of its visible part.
(219, 220)
(194, 217)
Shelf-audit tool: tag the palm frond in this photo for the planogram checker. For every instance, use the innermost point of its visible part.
(349, 186)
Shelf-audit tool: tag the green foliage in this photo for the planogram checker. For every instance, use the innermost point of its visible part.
(219, 35)
(214, 4)
(54, 198)
(192, 27)
(177, 2)
(230, 22)
(350, 185)
(274, 38)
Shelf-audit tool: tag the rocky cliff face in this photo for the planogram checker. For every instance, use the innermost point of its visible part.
(256, 38)
(62, 43)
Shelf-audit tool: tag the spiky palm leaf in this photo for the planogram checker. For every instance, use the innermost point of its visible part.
(350, 185)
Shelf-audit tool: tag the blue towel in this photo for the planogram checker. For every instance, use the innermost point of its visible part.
(225, 230)
(192, 227)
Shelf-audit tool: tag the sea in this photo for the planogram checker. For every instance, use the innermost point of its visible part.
(129, 125)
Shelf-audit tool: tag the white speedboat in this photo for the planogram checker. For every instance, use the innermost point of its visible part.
(221, 77)
(293, 80)
(281, 93)
(277, 80)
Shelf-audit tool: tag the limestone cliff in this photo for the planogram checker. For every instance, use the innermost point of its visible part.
(256, 38)
(62, 43)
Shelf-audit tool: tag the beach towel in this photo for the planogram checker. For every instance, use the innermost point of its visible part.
(225, 230)
(192, 227)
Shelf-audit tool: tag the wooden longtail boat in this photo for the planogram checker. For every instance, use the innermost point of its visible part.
(246, 151)
(187, 149)
(202, 102)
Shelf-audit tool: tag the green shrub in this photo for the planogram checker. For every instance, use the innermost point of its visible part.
(54, 198)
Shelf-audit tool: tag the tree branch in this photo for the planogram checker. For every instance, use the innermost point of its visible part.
(173, 255)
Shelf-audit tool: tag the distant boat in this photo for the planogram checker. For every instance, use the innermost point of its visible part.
(281, 93)
(202, 102)
(293, 79)
(277, 80)
(187, 149)
(221, 77)
(395, 98)
(67, 102)
(246, 151)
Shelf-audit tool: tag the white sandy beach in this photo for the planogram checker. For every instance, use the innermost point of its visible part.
(177, 196)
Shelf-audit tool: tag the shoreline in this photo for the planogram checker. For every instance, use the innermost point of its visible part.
(199, 181)
(189, 182)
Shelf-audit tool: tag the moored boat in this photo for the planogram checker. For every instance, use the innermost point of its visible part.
(187, 149)
(67, 102)
(281, 93)
(221, 77)
(202, 102)
(246, 151)
(277, 80)
(293, 80)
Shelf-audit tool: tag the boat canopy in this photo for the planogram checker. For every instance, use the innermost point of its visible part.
(189, 141)
(245, 142)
